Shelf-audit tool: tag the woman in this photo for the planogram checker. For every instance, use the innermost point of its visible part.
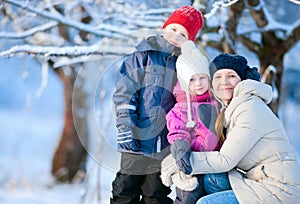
(256, 151)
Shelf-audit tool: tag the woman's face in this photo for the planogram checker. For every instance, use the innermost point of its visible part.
(175, 34)
(223, 83)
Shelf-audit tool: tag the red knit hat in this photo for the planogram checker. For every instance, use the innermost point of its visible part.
(189, 17)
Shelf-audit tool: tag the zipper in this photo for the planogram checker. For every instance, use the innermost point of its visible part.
(158, 144)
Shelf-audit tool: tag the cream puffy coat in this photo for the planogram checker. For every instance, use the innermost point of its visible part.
(261, 163)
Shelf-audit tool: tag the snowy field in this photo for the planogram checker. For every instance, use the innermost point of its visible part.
(30, 129)
(26, 149)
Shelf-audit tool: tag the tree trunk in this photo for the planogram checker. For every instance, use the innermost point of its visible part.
(70, 154)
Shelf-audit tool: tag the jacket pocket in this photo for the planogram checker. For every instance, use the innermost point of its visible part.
(154, 75)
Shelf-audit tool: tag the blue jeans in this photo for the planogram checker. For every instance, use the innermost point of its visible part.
(216, 182)
(208, 183)
(222, 197)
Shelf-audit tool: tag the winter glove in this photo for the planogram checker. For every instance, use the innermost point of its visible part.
(181, 151)
(171, 174)
(126, 142)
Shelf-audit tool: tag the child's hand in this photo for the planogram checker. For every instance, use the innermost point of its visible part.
(181, 151)
(127, 143)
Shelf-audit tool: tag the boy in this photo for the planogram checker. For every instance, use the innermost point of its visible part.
(142, 98)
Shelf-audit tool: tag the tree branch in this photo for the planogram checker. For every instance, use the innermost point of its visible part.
(72, 51)
(293, 38)
(252, 46)
(257, 12)
(235, 14)
(66, 21)
(12, 35)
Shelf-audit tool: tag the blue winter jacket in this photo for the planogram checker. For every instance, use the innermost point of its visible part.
(143, 96)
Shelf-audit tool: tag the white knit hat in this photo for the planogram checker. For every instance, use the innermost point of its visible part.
(191, 61)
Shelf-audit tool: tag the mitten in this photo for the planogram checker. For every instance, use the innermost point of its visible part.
(168, 168)
(181, 151)
(171, 174)
(185, 182)
(126, 142)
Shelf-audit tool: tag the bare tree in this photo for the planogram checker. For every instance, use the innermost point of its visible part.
(69, 33)
(66, 34)
(275, 38)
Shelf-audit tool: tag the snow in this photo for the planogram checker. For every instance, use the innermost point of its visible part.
(31, 120)
(30, 132)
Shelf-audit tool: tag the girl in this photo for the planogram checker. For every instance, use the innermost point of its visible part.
(190, 122)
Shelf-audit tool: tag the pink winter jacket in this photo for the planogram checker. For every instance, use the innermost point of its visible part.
(204, 110)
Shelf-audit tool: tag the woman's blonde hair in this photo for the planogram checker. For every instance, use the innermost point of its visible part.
(219, 125)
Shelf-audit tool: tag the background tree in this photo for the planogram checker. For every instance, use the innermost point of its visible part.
(270, 30)
(65, 35)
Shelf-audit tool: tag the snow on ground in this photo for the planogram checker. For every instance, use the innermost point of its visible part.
(30, 130)
(26, 149)
(27, 145)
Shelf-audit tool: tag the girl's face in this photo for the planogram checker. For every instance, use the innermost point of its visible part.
(175, 34)
(199, 84)
(223, 83)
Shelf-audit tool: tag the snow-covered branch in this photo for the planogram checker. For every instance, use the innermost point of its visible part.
(217, 5)
(44, 82)
(66, 51)
(61, 19)
(295, 2)
(29, 32)
(273, 26)
(266, 21)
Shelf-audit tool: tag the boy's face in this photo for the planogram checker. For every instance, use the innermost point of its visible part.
(199, 84)
(175, 34)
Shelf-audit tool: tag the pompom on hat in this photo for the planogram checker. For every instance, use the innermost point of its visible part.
(191, 61)
(237, 63)
(189, 17)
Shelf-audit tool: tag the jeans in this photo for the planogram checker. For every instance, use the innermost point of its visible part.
(222, 197)
(214, 183)
(208, 183)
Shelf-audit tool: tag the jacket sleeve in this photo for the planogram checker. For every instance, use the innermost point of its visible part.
(176, 125)
(126, 93)
(240, 140)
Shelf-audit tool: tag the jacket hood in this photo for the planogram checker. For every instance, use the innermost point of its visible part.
(249, 87)
(247, 90)
(158, 43)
